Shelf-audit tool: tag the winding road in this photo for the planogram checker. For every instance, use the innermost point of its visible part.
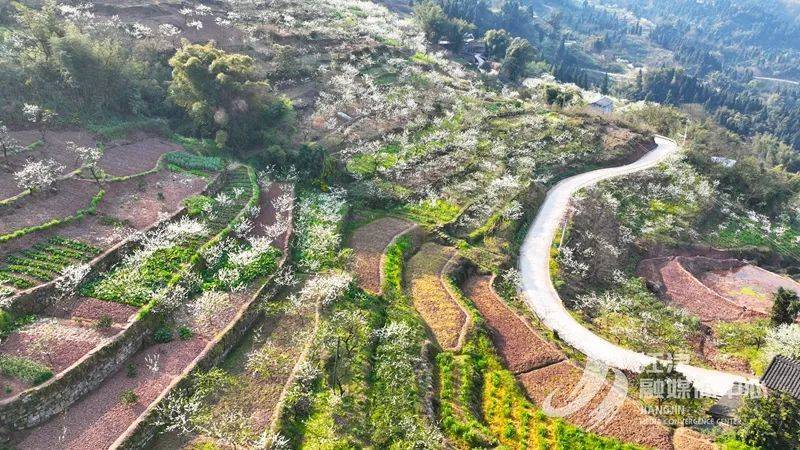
(542, 298)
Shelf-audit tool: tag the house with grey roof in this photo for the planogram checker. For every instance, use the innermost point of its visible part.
(783, 375)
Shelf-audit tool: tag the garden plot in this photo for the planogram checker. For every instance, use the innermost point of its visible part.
(51, 149)
(553, 373)
(748, 286)
(369, 244)
(104, 414)
(101, 416)
(136, 157)
(71, 196)
(42, 262)
(255, 373)
(438, 308)
(140, 202)
(522, 349)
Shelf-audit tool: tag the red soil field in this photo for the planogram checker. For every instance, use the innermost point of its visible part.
(136, 157)
(91, 309)
(748, 286)
(630, 424)
(522, 348)
(100, 417)
(52, 149)
(134, 202)
(714, 289)
(42, 207)
(55, 343)
(369, 243)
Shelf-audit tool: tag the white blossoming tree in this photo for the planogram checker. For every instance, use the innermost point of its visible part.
(7, 143)
(38, 116)
(87, 158)
(38, 175)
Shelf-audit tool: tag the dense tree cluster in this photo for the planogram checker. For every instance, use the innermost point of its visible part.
(222, 95)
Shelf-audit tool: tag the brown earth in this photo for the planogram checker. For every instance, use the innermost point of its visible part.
(52, 149)
(714, 289)
(136, 157)
(369, 244)
(520, 347)
(100, 417)
(55, 343)
(71, 195)
(688, 439)
(554, 374)
(630, 423)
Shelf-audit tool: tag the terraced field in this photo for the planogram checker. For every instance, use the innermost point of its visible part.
(43, 262)
(444, 316)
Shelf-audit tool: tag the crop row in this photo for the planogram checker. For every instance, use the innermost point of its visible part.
(44, 261)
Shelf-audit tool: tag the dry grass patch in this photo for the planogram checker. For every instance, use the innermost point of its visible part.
(439, 310)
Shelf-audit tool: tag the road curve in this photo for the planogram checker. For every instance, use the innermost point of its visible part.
(543, 300)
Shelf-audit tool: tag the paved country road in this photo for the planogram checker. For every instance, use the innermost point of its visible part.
(542, 298)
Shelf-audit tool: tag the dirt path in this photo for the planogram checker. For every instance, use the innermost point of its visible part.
(544, 301)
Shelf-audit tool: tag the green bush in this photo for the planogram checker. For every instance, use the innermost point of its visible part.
(6, 321)
(197, 204)
(162, 335)
(185, 333)
(128, 397)
(24, 369)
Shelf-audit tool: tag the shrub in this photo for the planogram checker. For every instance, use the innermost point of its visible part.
(24, 369)
(104, 322)
(6, 321)
(193, 162)
(128, 397)
(185, 333)
(197, 204)
(162, 335)
(131, 370)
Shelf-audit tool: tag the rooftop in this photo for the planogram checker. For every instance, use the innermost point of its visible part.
(783, 374)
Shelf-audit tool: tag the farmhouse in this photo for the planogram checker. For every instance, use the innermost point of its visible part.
(783, 375)
(604, 104)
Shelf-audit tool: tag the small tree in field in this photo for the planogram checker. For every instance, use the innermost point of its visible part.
(786, 307)
(7, 143)
(38, 116)
(38, 175)
(87, 158)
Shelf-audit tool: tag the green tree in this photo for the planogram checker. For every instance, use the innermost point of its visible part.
(437, 26)
(785, 307)
(519, 54)
(771, 422)
(41, 25)
(496, 43)
(220, 93)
